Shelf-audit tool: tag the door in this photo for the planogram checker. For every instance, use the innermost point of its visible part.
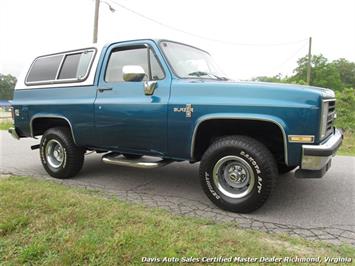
(126, 119)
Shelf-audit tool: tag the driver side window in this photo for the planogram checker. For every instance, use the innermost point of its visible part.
(141, 56)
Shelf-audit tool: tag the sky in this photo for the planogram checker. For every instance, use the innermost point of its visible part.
(247, 38)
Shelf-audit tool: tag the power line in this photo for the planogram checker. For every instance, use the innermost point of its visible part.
(201, 36)
(293, 55)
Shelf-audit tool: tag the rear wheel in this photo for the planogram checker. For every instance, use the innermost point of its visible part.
(60, 157)
(238, 173)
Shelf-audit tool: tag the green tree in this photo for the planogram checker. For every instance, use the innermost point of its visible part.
(338, 75)
(7, 85)
(345, 106)
(278, 79)
(346, 71)
(323, 73)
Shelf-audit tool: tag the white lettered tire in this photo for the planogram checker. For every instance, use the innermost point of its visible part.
(60, 157)
(238, 173)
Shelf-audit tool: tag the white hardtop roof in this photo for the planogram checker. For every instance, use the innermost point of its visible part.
(89, 81)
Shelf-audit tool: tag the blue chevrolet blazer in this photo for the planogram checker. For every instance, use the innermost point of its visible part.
(136, 100)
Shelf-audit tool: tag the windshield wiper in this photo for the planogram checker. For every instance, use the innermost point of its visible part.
(198, 73)
(202, 73)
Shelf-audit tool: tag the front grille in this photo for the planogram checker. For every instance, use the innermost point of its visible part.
(330, 117)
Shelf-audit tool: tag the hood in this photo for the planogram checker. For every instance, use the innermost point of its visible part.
(326, 93)
(244, 92)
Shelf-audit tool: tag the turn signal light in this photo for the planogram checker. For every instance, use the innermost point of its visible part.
(301, 138)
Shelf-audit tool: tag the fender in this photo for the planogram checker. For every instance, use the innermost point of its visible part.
(51, 116)
(237, 116)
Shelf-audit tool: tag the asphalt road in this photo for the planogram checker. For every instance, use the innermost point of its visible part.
(319, 209)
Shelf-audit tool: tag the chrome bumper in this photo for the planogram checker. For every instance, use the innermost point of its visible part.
(13, 132)
(316, 159)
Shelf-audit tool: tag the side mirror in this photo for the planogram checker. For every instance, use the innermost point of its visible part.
(133, 73)
(149, 87)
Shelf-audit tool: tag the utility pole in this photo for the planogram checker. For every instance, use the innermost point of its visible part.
(96, 20)
(309, 61)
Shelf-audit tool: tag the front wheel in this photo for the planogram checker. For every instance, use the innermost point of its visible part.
(60, 157)
(238, 173)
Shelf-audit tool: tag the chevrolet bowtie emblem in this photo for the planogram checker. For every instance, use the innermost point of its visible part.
(188, 109)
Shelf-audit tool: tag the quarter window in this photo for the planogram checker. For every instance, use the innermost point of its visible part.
(72, 66)
(44, 68)
(75, 66)
(141, 56)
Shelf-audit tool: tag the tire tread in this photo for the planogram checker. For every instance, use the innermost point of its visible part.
(253, 146)
(75, 154)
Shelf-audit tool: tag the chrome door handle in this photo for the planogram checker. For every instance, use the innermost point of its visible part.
(104, 89)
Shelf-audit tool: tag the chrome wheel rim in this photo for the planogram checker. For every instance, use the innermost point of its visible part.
(233, 177)
(54, 153)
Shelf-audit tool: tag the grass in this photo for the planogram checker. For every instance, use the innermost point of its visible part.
(5, 120)
(5, 125)
(45, 223)
(348, 146)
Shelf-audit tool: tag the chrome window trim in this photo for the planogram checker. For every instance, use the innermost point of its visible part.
(60, 66)
(63, 54)
(51, 116)
(29, 83)
(241, 118)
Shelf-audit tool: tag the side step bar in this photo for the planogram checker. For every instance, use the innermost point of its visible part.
(112, 158)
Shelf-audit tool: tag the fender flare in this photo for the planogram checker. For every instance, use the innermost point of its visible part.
(51, 116)
(265, 118)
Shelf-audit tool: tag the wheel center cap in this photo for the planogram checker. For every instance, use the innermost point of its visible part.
(234, 177)
(57, 154)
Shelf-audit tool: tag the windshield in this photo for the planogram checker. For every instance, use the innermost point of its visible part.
(190, 62)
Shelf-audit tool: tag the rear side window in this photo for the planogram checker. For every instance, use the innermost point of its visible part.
(64, 67)
(44, 68)
(75, 66)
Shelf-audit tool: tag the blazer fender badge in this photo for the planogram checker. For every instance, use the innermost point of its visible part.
(188, 109)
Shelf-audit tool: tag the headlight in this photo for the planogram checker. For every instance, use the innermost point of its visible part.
(324, 118)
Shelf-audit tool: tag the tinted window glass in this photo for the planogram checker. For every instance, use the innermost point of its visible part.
(84, 64)
(121, 58)
(44, 68)
(157, 72)
(70, 66)
(133, 56)
(75, 66)
(190, 62)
